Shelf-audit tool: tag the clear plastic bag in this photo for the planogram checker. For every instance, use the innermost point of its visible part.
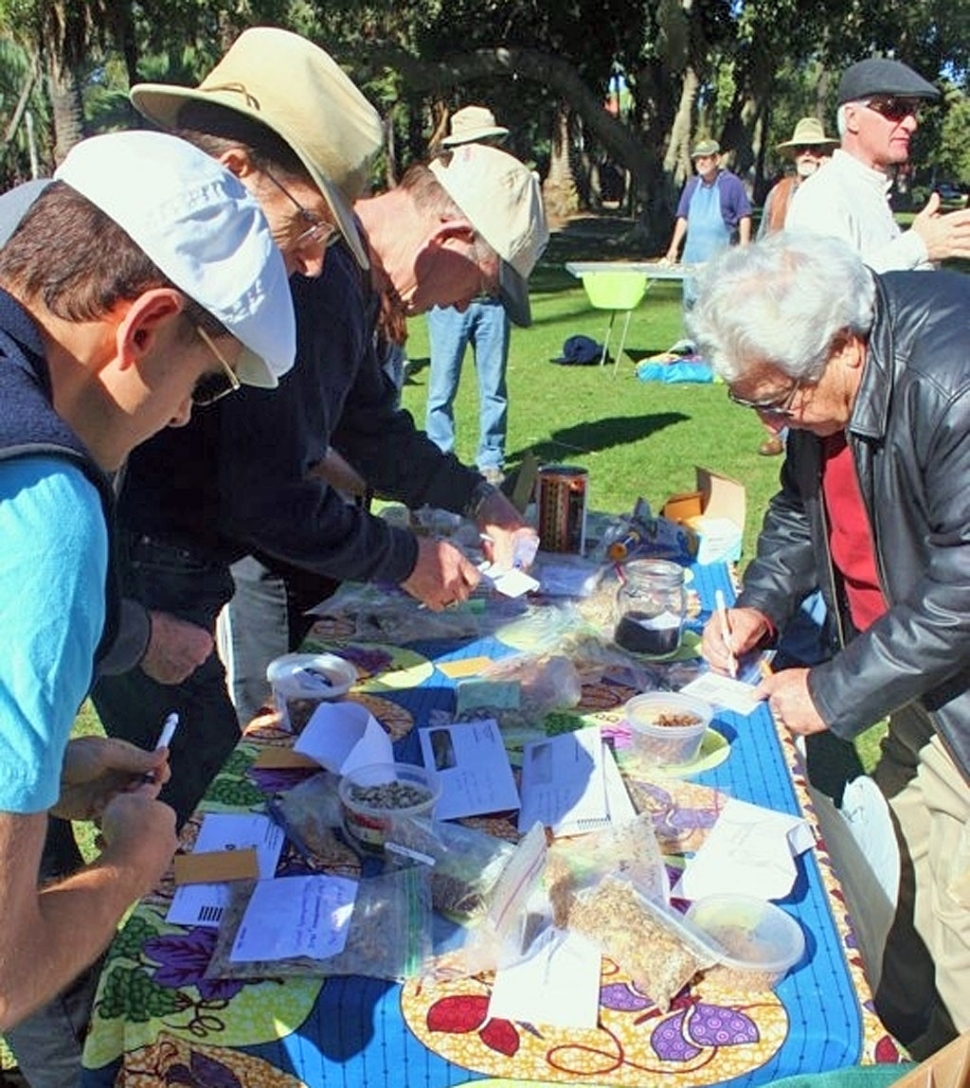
(518, 911)
(465, 863)
(389, 936)
(576, 865)
(310, 814)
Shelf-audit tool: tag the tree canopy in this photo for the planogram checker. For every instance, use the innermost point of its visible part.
(742, 71)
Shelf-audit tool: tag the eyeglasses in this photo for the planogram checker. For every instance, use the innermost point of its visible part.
(319, 231)
(895, 109)
(780, 407)
(212, 387)
(808, 149)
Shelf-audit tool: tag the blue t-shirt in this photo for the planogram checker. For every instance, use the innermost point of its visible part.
(53, 566)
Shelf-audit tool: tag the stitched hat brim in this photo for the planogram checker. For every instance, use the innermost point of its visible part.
(471, 135)
(161, 103)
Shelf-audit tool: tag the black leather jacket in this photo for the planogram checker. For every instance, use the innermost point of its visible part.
(910, 440)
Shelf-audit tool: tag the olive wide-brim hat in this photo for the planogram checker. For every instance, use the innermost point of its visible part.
(809, 132)
(300, 92)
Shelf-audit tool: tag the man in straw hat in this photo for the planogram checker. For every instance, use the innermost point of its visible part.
(248, 480)
(485, 325)
(879, 104)
(809, 148)
(142, 282)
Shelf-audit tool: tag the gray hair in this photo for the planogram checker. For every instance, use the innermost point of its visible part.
(781, 302)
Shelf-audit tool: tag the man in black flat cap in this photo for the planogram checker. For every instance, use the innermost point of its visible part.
(879, 104)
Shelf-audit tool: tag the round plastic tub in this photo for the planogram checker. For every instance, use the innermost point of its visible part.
(300, 682)
(756, 943)
(372, 797)
(667, 727)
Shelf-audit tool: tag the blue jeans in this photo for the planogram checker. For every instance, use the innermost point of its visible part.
(133, 706)
(485, 326)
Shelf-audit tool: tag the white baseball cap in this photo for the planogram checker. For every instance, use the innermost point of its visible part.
(502, 200)
(203, 230)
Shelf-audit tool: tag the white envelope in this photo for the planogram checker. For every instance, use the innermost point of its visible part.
(750, 848)
(344, 736)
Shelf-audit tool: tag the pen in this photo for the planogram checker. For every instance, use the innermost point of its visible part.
(168, 731)
(164, 741)
(725, 631)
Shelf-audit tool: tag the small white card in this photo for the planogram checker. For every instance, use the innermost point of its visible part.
(749, 847)
(344, 736)
(558, 984)
(472, 766)
(512, 583)
(203, 904)
(723, 691)
(296, 916)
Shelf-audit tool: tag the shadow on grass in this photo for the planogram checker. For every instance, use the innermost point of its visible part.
(598, 434)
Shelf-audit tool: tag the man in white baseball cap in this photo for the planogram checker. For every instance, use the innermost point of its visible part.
(142, 281)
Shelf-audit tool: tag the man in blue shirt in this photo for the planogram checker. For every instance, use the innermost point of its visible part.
(143, 280)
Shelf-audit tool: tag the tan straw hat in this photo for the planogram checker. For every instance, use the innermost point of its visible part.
(473, 123)
(809, 132)
(301, 93)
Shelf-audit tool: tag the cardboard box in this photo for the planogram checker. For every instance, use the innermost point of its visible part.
(714, 513)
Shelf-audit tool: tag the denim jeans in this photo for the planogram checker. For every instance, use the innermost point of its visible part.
(265, 618)
(171, 579)
(485, 326)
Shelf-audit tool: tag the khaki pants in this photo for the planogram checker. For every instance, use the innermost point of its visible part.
(924, 995)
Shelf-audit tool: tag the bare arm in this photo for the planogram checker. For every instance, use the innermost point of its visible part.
(680, 229)
(744, 230)
(49, 936)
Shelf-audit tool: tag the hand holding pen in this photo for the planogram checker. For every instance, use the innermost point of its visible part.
(722, 619)
(164, 741)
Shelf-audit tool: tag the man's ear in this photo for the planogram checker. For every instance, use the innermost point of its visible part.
(137, 332)
(237, 161)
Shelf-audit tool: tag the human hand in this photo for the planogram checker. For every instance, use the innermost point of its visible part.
(176, 648)
(508, 540)
(747, 627)
(790, 703)
(441, 576)
(98, 769)
(944, 235)
(138, 835)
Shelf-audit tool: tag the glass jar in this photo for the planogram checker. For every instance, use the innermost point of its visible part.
(650, 607)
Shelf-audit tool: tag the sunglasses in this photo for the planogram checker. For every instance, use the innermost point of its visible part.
(212, 387)
(808, 149)
(895, 109)
(780, 407)
(318, 231)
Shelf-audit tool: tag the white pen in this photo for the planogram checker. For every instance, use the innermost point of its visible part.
(725, 631)
(168, 731)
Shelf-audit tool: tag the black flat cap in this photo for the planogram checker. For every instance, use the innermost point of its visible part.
(878, 75)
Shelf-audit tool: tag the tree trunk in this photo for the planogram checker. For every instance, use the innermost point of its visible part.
(66, 108)
(677, 159)
(559, 193)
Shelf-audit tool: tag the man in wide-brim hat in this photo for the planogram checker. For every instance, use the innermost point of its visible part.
(808, 149)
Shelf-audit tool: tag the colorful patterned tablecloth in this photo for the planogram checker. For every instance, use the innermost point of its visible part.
(158, 1021)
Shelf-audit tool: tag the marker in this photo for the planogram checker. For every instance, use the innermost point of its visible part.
(164, 741)
(725, 631)
(168, 731)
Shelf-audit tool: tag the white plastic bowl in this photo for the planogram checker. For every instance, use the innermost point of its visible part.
(300, 682)
(374, 796)
(757, 943)
(655, 740)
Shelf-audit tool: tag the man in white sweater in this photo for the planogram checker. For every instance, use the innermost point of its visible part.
(879, 104)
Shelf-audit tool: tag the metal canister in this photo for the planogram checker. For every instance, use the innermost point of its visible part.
(562, 508)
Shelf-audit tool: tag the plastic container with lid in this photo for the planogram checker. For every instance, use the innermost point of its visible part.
(756, 942)
(300, 682)
(374, 796)
(666, 727)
